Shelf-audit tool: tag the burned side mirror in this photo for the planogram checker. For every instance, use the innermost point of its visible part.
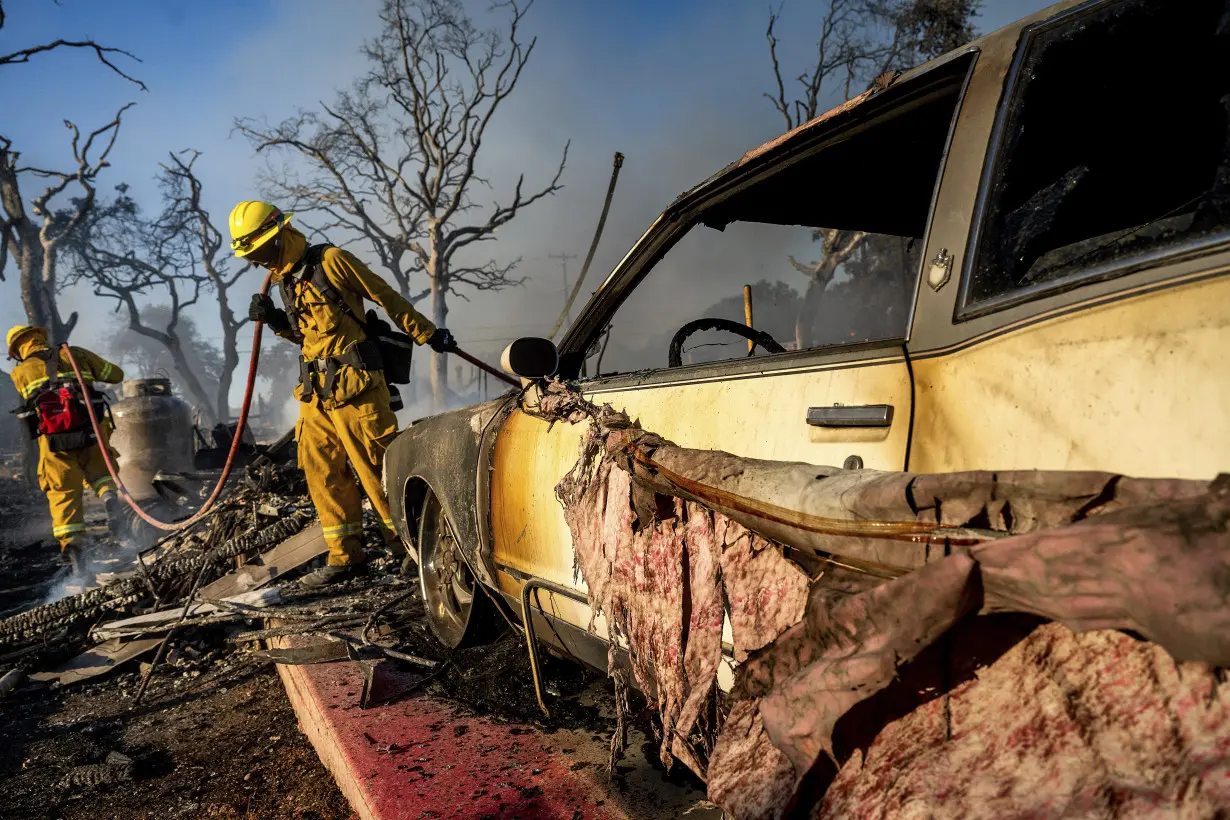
(530, 358)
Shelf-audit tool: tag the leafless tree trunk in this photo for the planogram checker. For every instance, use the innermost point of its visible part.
(394, 160)
(34, 237)
(168, 336)
(859, 40)
(35, 247)
(836, 247)
(184, 214)
(280, 365)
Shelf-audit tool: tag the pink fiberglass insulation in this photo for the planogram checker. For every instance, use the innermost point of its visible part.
(891, 683)
(1096, 725)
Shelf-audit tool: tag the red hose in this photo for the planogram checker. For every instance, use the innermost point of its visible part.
(258, 327)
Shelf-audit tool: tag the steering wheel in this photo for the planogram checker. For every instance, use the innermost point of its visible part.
(675, 356)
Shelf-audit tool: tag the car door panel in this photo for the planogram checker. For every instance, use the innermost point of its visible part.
(1135, 385)
(762, 416)
(1115, 362)
(754, 407)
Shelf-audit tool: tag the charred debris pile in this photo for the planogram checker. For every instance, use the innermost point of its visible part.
(215, 592)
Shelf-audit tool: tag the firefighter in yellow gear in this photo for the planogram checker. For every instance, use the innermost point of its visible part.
(345, 417)
(65, 470)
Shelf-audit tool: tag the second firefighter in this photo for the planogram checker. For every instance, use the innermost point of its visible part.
(69, 456)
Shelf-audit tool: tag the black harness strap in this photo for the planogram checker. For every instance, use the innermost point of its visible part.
(379, 347)
(314, 272)
(67, 440)
(363, 355)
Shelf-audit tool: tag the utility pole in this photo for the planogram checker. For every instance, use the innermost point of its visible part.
(564, 257)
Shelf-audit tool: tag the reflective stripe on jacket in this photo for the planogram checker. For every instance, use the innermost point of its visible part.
(30, 375)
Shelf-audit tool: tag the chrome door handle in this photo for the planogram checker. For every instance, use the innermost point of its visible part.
(852, 415)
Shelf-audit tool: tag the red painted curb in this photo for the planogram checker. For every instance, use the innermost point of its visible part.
(413, 760)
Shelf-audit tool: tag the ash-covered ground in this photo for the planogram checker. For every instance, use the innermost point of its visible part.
(215, 736)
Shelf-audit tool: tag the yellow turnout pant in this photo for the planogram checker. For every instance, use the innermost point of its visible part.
(341, 450)
(63, 476)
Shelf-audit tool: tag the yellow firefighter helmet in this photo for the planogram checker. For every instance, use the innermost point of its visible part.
(17, 333)
(253, 223)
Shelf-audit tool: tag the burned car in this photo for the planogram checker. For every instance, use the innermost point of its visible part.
(1023, 254)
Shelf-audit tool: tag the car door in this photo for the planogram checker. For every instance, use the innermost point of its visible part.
(1088, 317)
(840, 391)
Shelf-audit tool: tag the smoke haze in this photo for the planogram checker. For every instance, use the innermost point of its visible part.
(676, 87)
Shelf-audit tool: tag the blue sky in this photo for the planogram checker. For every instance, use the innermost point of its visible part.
(674, 85)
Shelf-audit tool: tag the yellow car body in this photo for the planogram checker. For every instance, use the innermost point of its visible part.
(1121, 365)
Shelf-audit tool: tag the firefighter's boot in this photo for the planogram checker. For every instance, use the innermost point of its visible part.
(117, 516)
(79, 552)
(332, 574)
(76, 557)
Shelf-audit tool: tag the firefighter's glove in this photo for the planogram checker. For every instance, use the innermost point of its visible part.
(442, 341)
(263, 310)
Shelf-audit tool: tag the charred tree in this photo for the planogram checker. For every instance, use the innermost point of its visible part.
(394, 160)
(185, 216)
(35, 236)
(32, 237)
(861, 43)
(124, 257)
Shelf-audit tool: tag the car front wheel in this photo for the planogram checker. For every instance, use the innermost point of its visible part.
(458, 612)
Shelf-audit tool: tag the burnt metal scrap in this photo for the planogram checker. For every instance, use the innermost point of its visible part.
(835, 580)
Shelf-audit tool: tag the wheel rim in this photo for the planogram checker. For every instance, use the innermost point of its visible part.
(446, 580)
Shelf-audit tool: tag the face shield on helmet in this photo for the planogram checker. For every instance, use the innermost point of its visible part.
(253, 224)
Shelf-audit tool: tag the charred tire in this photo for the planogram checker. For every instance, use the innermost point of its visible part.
(459, 612)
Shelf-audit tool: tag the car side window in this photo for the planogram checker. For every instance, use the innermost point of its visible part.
(858, 293)
(1113, 150)
(829, 243)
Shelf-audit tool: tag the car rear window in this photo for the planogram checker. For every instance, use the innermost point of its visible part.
(1112, 150)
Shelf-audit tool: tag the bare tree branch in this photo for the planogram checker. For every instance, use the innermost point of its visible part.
(24, 55)
(35, 245)
(87, 171)
(121, 255)
(184, 218)
(6, 239)
(101, 52)
(396, 160)
(860, 41)
(501, 215)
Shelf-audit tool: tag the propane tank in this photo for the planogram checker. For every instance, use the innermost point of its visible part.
(153, 434)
